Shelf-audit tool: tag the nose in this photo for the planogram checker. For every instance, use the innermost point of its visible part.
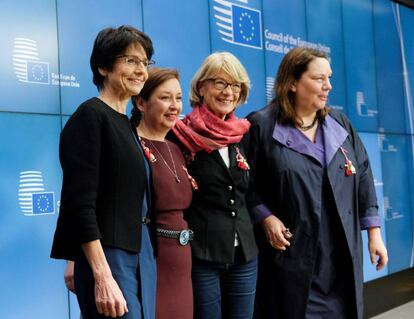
(175, 104)
(140, 69)
(228, 89)
(328, 85)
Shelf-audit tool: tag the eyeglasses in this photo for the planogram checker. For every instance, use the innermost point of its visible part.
(132, 60)
(221, 85)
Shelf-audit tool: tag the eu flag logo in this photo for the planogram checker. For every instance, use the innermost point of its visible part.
(38, 72)
(238, 24)
(43, 203)
(246, 26)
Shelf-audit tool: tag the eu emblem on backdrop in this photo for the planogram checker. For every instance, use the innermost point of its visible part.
(38, 72)
(33, 198)
(238, 24)
(43, 203)
(27, 65)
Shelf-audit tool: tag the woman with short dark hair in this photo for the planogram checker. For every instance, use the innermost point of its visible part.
(106, 220)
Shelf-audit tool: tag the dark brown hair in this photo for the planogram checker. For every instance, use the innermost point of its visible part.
(293, 65)
(156, 77)
(111, 43)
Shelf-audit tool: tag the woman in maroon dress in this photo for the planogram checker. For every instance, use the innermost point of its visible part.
(156, 110)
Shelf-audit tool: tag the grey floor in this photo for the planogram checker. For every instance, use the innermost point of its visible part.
(405, 311)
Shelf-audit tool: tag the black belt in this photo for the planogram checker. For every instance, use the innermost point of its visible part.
(145, 220)
(183, 236)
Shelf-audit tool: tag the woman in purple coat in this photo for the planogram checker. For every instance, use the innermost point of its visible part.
(311, 193)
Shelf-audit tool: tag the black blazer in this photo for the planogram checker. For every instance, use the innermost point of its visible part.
(218, 209)
(104, 181)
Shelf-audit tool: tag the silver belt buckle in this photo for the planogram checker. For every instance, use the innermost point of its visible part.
(185, 236)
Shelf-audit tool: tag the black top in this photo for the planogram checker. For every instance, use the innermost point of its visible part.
(104, 181)
(218, 209)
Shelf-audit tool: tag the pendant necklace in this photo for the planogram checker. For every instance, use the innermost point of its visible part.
(174, 170)
(308, 127)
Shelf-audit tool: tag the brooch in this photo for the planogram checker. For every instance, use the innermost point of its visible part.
(193, 182)
(349, 167)
(147, 152)
(241, 161)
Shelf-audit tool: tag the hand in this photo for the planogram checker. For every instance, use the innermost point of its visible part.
(109, 298)
(376, 248)
(276, 233)
(68, 276)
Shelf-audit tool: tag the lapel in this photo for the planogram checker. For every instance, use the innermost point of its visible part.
(334, 136)
(291, 138)
(217, 157)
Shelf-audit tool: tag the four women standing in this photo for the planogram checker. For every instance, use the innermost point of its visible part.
(310, 192)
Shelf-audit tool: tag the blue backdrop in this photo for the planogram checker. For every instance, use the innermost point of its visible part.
(46, 75)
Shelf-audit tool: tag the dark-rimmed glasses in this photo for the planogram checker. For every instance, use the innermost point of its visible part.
(221, 85)
(132, 60)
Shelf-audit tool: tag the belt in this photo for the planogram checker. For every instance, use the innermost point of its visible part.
(183, 236)
(145, 220)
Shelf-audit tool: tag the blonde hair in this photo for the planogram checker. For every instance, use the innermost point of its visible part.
(213, 65)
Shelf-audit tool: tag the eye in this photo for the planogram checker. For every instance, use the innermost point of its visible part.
(219, 84)
(131, 61)
(237, 85)
(179, 98)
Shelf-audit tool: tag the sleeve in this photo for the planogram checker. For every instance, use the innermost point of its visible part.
(80, 147)
(258, 210)
(366, 196)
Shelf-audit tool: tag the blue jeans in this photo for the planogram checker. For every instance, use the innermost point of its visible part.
(224, 290)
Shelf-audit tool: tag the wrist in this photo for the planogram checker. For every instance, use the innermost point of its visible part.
(102, 274)
(374, 231)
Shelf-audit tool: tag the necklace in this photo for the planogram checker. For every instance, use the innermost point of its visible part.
(308, 127)
(174, 170)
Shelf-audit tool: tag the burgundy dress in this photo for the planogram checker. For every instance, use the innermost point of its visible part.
(174, 287)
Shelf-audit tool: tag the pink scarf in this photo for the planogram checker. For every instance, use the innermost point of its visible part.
(202, 130)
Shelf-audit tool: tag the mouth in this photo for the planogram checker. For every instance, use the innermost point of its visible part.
(225, 101)
(137, 81)
(171, 116)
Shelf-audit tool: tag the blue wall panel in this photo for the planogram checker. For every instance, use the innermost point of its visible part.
(360, 64)
(407, 41)
(397, 206)
(79, 23)
(182, 45)
(30, 184)
(390, 86)
(28, 57)
(284, 27)
(330, 41)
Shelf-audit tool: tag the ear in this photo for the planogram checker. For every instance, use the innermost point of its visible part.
(140, 103)
(201, 88)
(103, 72)
(293, 87)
